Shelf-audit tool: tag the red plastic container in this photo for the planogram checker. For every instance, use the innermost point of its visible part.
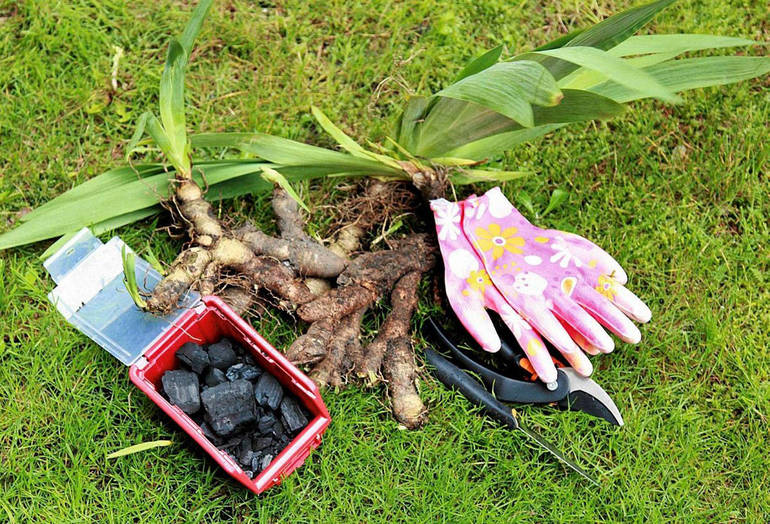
(211, 320)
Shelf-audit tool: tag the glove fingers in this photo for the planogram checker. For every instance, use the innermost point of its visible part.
(581, 341)
(631, 305)
(475, 319)
(551, 329)
(577, 318)
(607, 314)
(528, 339)
(595, 257)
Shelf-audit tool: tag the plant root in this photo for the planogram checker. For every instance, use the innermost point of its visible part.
(401, 375)
(403, 302)
(368, 277)
(311, 347)
(252, 254)
(333, 340)
(238, 298)
(331, 370)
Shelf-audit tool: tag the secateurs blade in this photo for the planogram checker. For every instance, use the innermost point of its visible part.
(572, 392)
(453, 377)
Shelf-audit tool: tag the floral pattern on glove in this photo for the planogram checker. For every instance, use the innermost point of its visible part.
(471, 292)
(492, 238)
(558, 281)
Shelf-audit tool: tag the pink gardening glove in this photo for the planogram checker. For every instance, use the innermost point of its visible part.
(470, 292)
(565, 286)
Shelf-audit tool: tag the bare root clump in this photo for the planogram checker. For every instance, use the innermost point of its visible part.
(261, 261)
(326, 289)
(333, 343)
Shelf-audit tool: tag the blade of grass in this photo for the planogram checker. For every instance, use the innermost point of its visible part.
(194, 25)
(171, 100)
(678, 43)
(508, 88)
(606, 34)
(289, 153)
(348, 143)
(137, 448)
(472, 176)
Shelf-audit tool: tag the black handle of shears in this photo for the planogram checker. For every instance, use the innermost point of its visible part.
(505, 388)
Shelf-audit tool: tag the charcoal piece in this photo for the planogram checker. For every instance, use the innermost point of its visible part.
(278, 430)
(255, 461)
(193, 356)
(268, 392)
(229, 406)
(245, 459)
(249, 473)
(265, 424)
(222, 355)
(182, 390)
(248, 359)
(232, 443)
(215, 377)
(209, 434)
(261, 443)
(244, 446)
(243, 372)
(292, 416)
(265, 462)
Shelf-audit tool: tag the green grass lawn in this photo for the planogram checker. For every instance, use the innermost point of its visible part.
(679, 194)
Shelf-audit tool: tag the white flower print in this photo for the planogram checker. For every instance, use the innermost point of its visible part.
(448, 219)
(514, 322)
(563, 255)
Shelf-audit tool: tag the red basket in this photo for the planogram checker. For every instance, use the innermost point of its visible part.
(208, 323)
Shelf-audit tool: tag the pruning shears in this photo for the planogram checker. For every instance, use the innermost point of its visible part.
(455, 378)
(573, 391)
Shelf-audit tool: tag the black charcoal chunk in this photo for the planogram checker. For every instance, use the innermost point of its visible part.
(261, 443)
(278, 430)
(181, 387)
(215, 377)
(265, 462)
(243, 372)
(244, 459)
(265, 424)
(249, 473)
(255, 461)
(209, 434)
(292, 416)
(232, 443)
(222, 355)
(193, 356)
(229, 406)
(268, 392)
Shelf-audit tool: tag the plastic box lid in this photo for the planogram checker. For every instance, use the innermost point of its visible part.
(92, 296)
